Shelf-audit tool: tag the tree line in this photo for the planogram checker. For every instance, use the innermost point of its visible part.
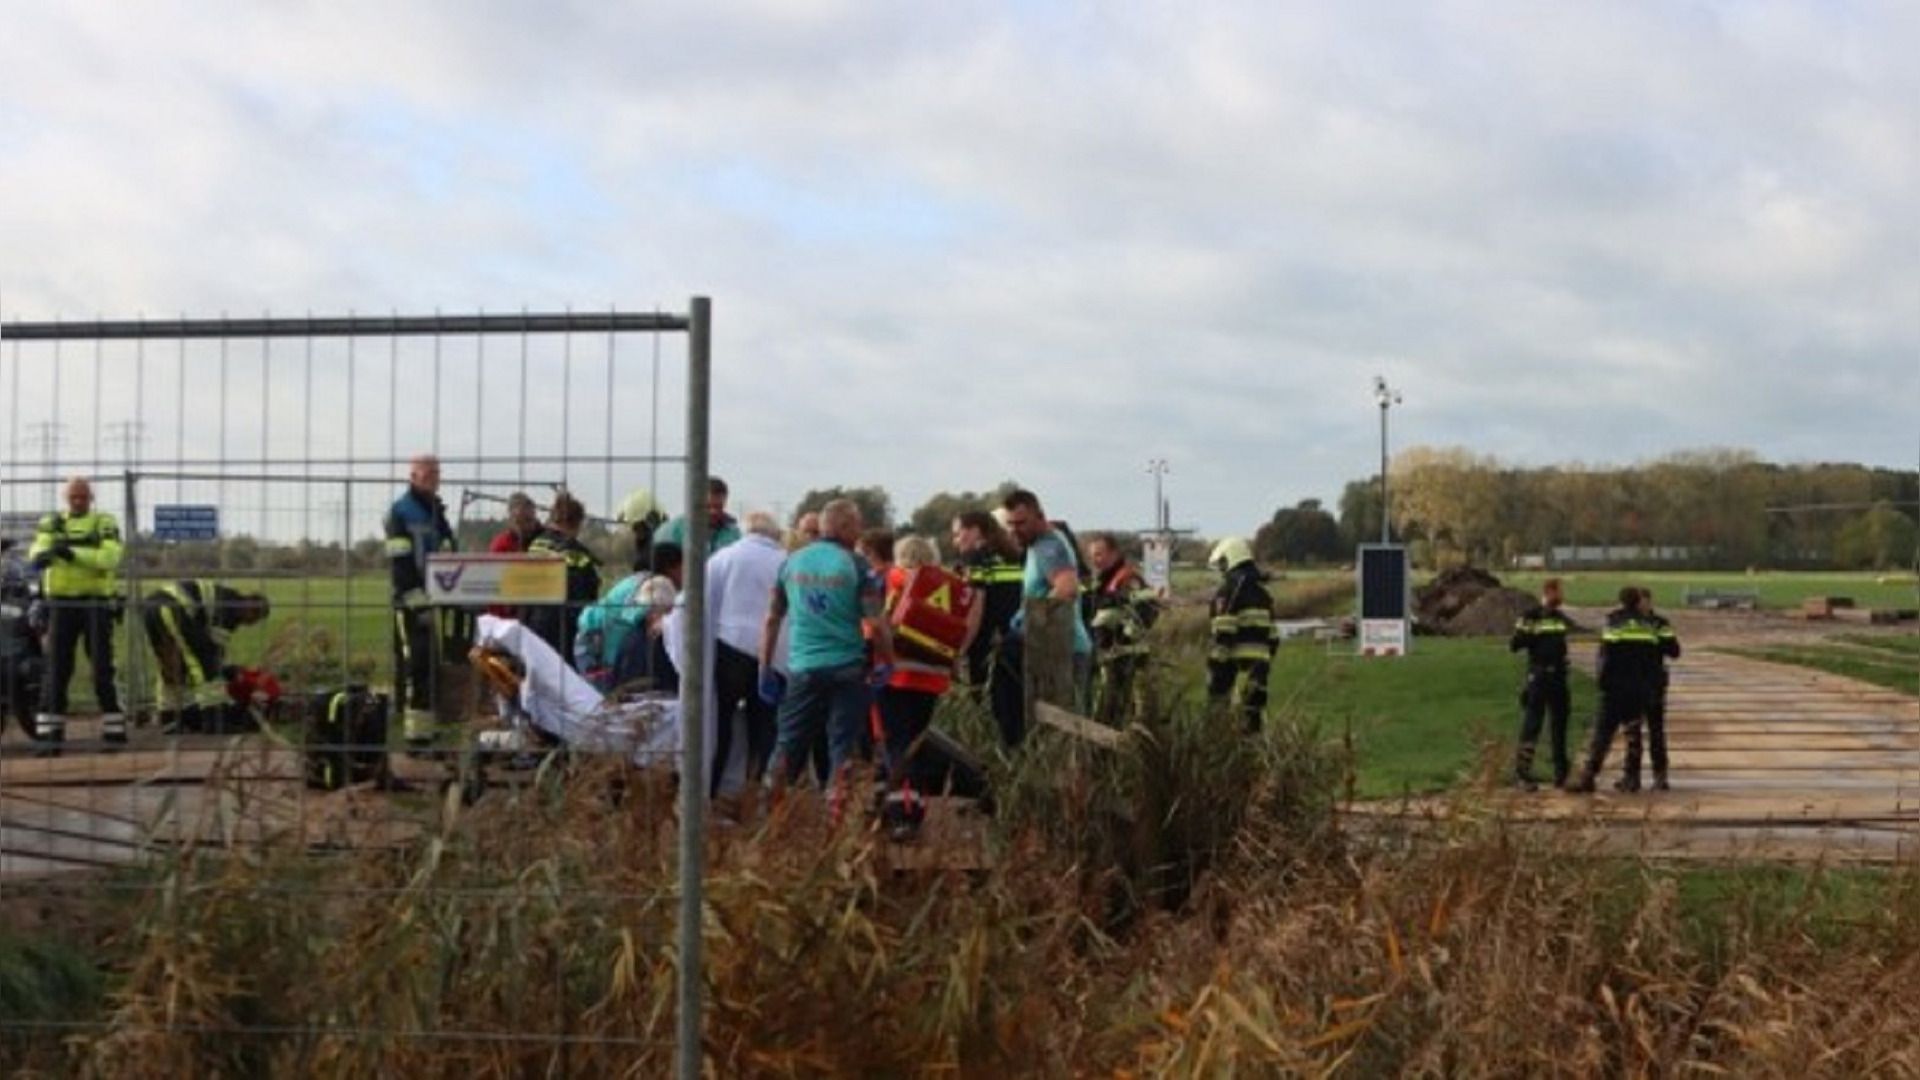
(1699, 509)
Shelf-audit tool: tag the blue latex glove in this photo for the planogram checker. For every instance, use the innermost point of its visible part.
(772, 686)
(880, 674)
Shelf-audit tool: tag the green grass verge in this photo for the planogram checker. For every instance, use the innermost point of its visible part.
(1907, 644)
(1882, 668)
(1777, 591)
(1420, 722)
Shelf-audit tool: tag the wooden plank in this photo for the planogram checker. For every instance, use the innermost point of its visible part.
(1077, 726)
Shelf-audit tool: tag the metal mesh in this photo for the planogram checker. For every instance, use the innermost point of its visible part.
(298, 432)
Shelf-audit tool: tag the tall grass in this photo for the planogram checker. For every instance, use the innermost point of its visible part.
(1186, 904)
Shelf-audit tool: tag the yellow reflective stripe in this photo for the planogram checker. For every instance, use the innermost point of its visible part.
(1636, 636)
(1250, 652)
(406, 645)
(1255, 618)
(1224, 624)
(1549, 628)
(398, 546)
(195, 673)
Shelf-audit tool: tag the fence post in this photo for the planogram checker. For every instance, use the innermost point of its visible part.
(693, 691)
(1047, 641)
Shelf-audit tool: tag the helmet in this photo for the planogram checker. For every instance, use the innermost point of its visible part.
(1229, 553)
(639, 508)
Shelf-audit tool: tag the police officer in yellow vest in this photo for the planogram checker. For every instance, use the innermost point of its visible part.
(78, 555)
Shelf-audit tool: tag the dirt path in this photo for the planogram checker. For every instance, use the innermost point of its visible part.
(1769, 761)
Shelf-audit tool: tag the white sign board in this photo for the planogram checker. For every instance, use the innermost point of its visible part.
(463, 579)
(1383, 637)
(1158, 565)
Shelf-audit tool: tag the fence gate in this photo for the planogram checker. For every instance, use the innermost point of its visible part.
(261, 455)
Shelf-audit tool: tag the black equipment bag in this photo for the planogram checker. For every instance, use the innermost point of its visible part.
(345, 738)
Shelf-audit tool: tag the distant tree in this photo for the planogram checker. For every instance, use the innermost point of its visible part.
(876, 506)
(1303, 533)
(934, 516)
(1880, 539)
(1360, 512)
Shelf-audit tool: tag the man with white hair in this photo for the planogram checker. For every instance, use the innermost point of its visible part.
(416, 527)
(740, 582)
(830, 593)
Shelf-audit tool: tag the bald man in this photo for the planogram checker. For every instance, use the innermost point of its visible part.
(78, 556)
(416, 527)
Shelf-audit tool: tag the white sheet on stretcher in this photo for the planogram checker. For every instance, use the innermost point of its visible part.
(557, 700)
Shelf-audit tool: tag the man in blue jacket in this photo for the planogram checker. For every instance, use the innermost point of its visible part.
(416, 527)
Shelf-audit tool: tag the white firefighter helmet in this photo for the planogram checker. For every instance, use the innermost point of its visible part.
(1230, 553)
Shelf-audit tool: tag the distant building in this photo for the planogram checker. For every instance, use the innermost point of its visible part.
(1568, 558)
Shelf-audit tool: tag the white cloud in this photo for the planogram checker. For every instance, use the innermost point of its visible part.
(956, 243)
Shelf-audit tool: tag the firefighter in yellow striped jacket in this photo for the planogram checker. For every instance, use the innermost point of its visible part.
(1244, 635)
(416, 527)
(188, 624)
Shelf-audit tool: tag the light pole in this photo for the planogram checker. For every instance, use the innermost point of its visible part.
(1158, 468)
(1388, 397)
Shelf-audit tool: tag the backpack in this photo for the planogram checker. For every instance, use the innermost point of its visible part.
(345, 738)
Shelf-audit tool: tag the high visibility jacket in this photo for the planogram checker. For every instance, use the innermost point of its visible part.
(1669, 642)
(1632, 651)
(201, 616)
(1124, 607)
(94, 540)
(204, 601)
(1541, 633)
(1242, 626)
(996, 583)
(416, 527)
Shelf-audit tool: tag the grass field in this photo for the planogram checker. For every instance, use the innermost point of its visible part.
(1777, 590)
(1601, 588)
(1419, 723)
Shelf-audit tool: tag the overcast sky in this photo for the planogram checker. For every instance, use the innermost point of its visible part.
(953, 243)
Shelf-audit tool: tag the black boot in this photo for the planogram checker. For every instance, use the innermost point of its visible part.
(1523, 769)
(1660, 780)
(1629, 783)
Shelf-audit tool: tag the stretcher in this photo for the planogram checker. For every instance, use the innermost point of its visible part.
(540, 693)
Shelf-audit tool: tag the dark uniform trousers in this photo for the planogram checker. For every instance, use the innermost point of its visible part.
(1546, 701)
(1656, 732)
(71, 619)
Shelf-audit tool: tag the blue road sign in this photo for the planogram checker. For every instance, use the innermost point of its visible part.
(181, 522)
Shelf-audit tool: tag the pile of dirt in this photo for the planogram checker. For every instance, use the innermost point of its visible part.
(1469, 602)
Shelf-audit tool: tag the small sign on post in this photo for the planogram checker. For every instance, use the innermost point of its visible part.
(185, 522)
(478, 579)
(1386, 599)
(1157, 566)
